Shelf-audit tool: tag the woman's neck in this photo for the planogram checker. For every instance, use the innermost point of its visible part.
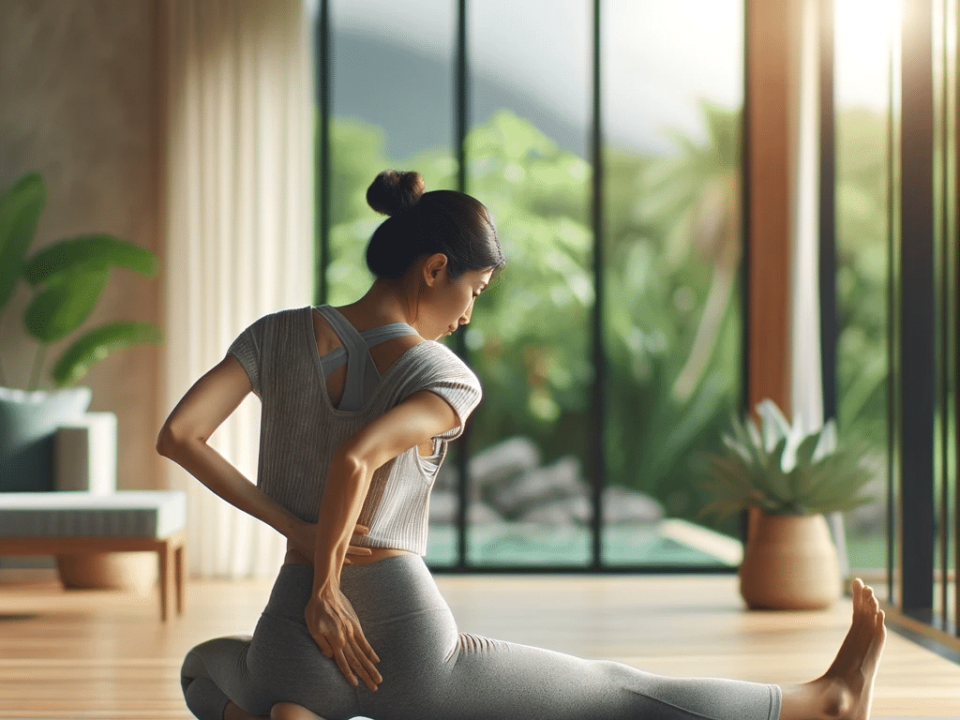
(385, 302)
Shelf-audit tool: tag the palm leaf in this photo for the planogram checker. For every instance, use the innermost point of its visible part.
(751, 471)
(98, 344)
(88, 252)
(64, 303)
(20, 209)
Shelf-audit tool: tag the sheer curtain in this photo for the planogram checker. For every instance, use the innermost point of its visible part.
(806, 377)
(239, 226)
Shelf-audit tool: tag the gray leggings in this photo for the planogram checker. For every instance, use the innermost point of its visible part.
(432, 672)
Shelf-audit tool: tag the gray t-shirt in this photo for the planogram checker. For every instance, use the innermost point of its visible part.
(300, 429)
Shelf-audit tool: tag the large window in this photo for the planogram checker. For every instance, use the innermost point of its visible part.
(864, 31)
(602, 382)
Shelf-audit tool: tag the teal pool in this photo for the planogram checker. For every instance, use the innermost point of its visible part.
(673, 543)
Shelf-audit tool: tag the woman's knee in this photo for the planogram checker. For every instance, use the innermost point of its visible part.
(211, 675)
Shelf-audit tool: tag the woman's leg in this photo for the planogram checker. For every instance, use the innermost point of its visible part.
(290, 711)
(215, 678)
(432, 672)
(456, 676)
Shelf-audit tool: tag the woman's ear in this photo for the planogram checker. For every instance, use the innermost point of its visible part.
(433, 268)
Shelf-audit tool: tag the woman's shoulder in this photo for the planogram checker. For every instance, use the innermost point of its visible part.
(281, 318)
(434, 359)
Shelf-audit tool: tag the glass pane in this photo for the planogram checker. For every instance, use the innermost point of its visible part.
(673, 94)
(393, 99)
(862, 91)
(529, 337)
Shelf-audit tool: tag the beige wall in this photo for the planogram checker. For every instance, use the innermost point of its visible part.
(80, 102)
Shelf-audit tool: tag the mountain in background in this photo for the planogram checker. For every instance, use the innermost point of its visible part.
(411, 95)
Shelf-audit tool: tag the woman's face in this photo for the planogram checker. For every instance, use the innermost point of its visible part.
(448, 303)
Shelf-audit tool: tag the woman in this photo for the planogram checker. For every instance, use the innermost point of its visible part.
(358, 405)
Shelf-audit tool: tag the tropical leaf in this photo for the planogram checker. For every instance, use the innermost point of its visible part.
(784, 471)
(20, 209)
(98, 344)
(64, 303)
(84, 253)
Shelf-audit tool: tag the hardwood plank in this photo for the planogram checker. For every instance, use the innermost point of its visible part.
(102, 654)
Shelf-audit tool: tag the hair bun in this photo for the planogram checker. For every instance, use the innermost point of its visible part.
(395, 190)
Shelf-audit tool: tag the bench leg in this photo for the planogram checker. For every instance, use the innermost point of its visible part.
(164, 556)
(178, 562)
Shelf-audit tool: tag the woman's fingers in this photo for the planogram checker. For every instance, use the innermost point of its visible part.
(365, 650)
(341, 659)
(362, 668)
(334, 626)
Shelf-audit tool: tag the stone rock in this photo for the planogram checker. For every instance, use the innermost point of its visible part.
(448, 478)
(564, 512)
(502, 462)
(536, 487)
(443, 510)
(622, 505)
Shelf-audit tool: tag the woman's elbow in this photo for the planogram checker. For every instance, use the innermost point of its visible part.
(171, 440)
(352, 461)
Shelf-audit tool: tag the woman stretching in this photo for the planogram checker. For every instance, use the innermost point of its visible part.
(358, 405)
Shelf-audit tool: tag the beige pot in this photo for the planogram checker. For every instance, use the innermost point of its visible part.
(789, 563)
(134, 572)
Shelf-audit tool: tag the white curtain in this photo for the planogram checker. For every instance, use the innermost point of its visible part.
(239, 226)
(806, 376)
(806, 381)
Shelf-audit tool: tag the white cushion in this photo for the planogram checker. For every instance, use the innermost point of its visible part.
(125, 513)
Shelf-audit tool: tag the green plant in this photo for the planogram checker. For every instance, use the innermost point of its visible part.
(782, 470)
(66, 279)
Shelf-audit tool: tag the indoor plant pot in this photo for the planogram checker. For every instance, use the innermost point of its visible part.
(790, 562)
(787, 479)
(66, 279)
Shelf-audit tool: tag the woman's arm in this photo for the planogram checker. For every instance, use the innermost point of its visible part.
(330, 617)
(184, 436)
(183, 439)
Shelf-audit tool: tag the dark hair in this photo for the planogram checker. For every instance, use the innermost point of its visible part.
(440, 221)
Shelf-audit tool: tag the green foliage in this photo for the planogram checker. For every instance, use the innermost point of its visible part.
(862, 276)
(783, 470)
(20, 209)
(67, 279)
(671, 326)
(98, 344)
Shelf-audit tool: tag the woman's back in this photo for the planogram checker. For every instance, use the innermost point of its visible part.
(304, 422)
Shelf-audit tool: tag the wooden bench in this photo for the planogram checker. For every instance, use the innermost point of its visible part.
(75, 523)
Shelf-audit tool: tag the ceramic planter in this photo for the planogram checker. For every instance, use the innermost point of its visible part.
(134, 572)
(790, 563)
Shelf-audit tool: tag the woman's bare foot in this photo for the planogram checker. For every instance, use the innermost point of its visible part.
(291, 711)
(846, 689)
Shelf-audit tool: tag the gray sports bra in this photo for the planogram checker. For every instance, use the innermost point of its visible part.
(362, 374)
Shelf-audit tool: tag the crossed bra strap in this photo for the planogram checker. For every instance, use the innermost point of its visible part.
(362, 374)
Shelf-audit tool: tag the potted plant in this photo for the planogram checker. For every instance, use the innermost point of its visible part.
(788, 479)
(66, 279)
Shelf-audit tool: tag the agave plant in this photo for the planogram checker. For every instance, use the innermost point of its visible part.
(783, 470)
(66, 279)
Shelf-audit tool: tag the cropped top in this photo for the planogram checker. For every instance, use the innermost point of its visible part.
(301, 429)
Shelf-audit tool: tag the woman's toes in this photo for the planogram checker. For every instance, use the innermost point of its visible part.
(858, 588)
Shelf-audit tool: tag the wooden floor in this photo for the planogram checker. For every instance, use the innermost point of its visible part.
(94, 654)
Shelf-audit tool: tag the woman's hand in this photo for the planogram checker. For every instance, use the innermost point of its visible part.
(304, 541)
(335, 627)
